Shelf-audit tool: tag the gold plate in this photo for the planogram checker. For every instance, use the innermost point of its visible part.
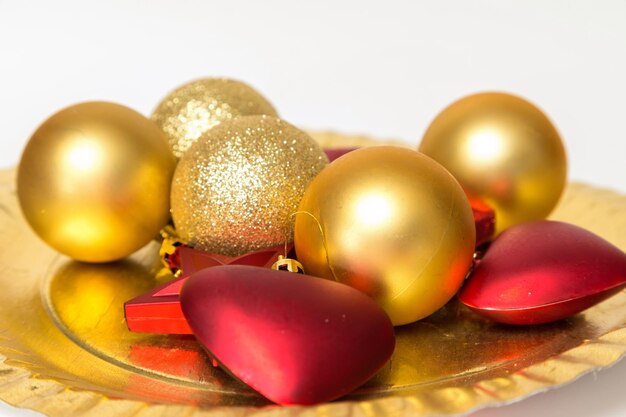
(68, 352)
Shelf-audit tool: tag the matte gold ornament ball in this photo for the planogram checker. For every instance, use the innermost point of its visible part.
(235, 189)
(504, 151)
(392, 223)
(193, 108)
(94, 181)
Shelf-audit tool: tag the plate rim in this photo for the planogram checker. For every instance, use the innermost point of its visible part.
(608, 349)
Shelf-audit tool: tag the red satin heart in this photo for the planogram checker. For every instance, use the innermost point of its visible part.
(158, 310)
(294, 338)
(544, 271)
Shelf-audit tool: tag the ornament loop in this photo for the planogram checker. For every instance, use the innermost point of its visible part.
(323, 236)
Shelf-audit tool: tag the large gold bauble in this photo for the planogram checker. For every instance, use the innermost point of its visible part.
(94, 181)
(502, 150)
(235, 189)
(193, 108)
(392, 223)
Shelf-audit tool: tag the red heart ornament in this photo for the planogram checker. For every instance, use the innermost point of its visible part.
(543, 271)
(158, 310)
(294, 338)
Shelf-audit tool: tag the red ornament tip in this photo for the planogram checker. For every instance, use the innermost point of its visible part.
(484, 220)
(334, 153)
(158, 310)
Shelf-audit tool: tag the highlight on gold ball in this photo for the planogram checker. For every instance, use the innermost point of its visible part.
(193, 108)
(94, 179)
(392, 223)
(235, 189)
(504, 151)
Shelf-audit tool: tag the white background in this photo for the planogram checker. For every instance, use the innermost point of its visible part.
(383, 68)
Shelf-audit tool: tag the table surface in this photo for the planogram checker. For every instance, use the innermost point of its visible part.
(384, 69)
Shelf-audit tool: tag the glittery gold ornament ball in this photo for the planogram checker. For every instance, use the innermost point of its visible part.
(236, 188)
(193, 108)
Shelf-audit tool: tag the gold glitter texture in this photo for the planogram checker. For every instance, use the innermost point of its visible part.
(235, 189)
(192, 109)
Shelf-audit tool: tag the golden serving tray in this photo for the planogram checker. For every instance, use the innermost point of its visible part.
(67, 351)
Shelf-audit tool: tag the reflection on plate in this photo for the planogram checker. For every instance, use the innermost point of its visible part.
(62, 327)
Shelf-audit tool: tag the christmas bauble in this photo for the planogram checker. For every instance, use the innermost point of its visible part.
(295, 339)
(237, 187)
(94, 181)
(392, 223)
(544, 271)
(502, 150)
(193, 108)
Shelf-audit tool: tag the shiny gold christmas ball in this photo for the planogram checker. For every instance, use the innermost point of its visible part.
(94, 181)
(192, 109)
(235, 189)
(502, 150)
(392, 223)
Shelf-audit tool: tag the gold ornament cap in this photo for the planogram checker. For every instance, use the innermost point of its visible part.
(193, 108)
(288, 264)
